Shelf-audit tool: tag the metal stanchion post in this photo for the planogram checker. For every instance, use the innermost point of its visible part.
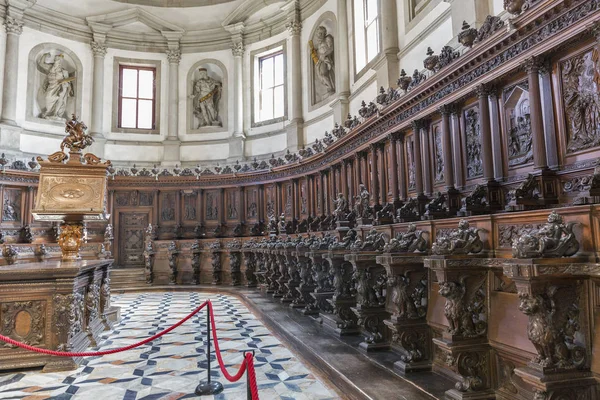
(208, 386)
(248, 389)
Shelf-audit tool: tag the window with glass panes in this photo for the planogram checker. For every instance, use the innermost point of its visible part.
(271, 87)
(366, 31)
(136, 97)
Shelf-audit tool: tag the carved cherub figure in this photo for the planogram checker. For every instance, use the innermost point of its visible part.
(464, 240)
(555, 239)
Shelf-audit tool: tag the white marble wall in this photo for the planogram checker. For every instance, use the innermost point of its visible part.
(434, 29)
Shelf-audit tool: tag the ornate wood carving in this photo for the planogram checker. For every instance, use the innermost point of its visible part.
(24, 321)
(473, 143)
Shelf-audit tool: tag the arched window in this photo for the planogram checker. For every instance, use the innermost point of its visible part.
(366, 31)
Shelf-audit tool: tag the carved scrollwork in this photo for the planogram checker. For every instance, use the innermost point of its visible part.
(24, 321)
(92, 303)
(465, 305)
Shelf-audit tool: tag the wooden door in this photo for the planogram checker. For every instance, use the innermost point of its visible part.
(132, 227)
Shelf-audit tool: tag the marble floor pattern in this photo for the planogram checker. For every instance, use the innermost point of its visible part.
(171, 367)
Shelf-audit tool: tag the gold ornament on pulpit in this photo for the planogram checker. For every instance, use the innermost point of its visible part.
(72, 188)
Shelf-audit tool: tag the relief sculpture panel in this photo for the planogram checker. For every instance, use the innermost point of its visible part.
(167, 212)
(233, 204)
(11, 207)
(438, 157)
(580, 77)
(189, 206)
(212, 208)
(473, 134)
(518, 123)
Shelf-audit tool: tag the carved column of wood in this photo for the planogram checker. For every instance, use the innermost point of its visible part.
(463, 353)
(375, 189)
(200, 213)
(452, 194)
(555, 295)
(401, 172)
(344, 178)
(293, 274)
(351, 178)
(29, 205)
(279, 207)
(242, 211)
(273, 273)
(155, 209)
(421, 197)
(310, 189)
(342, 320)
(331, 187)
(426, 156)
(383, 171)
(295, 199)
(284, 277)
(370, 308)
(408, 287)
(216, 264)
(393, 138)
(495, 92)
(304, 302)
(459, 173)
(261, 203)
(250, 263)
(324, 289)
(261, 270)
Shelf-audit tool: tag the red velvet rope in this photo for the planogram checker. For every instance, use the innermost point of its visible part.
(106, 352)
(248, 362)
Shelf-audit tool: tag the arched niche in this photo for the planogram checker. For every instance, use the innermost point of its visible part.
(322, 61)
(54, 84)
(205, 97)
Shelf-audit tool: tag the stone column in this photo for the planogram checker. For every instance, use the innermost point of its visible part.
(341, 105)
(426, 149)
(387, 66)
(99, 50)
(14, 28)
(237, 141)
(459, 176)
(486, 132)
(294, 129)
(401, 172)
(532, 66)
(171, 145)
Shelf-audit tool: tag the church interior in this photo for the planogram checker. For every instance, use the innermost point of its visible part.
(300, 199)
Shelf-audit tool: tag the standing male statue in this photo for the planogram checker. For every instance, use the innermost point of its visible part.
(206, 95)
(323, 56)
(57, 87)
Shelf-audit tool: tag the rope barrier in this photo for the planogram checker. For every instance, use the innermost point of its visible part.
(105, 352)
(247, 364)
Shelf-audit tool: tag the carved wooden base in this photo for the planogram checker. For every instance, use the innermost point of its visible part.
(364, 221)
(370, 320)
(291, 292)
(321, 301)
(568, 385)
(469, 363)
(412, 339)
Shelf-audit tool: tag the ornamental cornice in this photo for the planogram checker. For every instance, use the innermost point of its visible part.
(499, 55)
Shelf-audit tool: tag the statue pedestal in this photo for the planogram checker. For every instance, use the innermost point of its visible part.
(407, 304)
(57, 305)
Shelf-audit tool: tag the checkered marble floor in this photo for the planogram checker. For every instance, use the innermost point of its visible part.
(171, 367)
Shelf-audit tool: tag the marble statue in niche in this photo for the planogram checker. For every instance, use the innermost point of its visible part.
(232, 212)
(11, 209)
(57, 89)
(168, 209)
(206, 95)
(581, 97)
(439, 159)
(323, 60)
(473, 134)
(212, 211)
(520, 141)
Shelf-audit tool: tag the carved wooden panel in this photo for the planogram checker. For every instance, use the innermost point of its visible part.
(12, 205)
(168, 203)
(132, 227)
(146, 199)
(270, 196)
(438, 158)
(410, 162)
(303, 197)
(580, 78)
(252, 204)
(190, 205)
(473, 143)
(24, 321)
(232, 203)
(288, 198)
(212, 205)
(517, 118)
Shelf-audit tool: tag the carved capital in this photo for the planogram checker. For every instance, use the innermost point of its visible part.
(395, 137)
(13, 25)
(238, 49)
(174, 56)
(483, 90)
(445, 109)
(535, 64)
(294, 27)
(99, 49)
(416, 125)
